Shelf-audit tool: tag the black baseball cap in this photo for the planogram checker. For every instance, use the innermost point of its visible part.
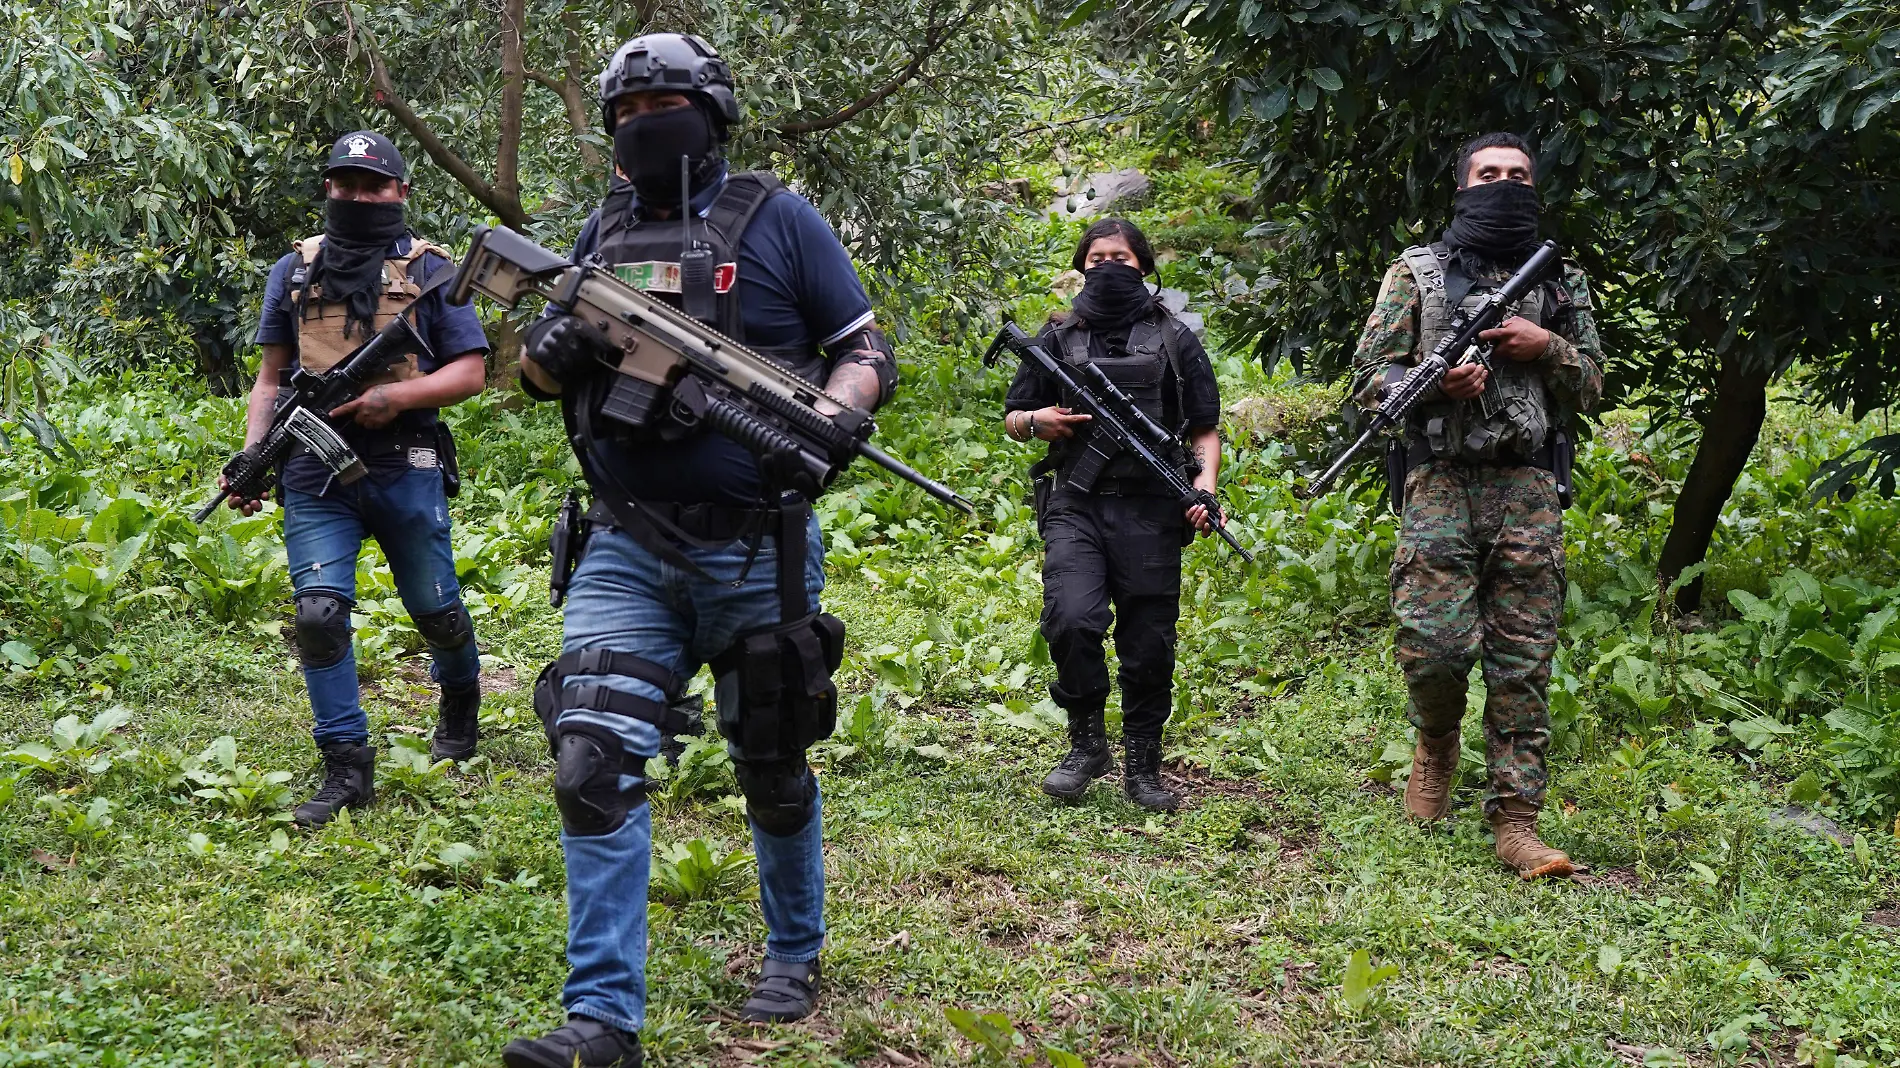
(366, 150)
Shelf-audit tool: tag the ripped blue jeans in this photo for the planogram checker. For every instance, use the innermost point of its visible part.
(409, 517)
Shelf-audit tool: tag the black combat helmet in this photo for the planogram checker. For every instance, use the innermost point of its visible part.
(670, 62)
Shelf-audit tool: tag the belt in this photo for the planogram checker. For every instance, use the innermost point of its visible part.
(707, 522)
(1124, 487)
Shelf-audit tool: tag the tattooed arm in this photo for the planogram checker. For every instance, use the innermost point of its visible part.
(864, 372)
(1204, 445)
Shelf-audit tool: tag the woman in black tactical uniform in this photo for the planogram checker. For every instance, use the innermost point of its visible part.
(1115, 536)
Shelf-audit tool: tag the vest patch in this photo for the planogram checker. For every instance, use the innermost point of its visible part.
(655, 276)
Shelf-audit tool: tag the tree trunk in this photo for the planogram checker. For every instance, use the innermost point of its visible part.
(504, 360)
(1728, 436)
(514, 80)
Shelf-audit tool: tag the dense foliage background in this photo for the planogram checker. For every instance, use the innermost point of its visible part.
(1727, 735)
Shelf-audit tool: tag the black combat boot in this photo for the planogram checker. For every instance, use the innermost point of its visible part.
(784, 992)
(1142, 776)
(581, 1042)
(349, 781)
(1087, 761)
(456, 731)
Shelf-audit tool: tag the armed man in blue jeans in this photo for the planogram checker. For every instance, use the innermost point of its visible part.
(692, 557)
(322, 301)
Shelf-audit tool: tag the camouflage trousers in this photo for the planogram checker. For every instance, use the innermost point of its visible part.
(1479, 573)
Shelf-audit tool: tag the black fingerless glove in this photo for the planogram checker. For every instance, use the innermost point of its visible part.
(567, 348)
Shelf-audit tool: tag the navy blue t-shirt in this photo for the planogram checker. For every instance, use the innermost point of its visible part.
(451, 331)
(797, 287)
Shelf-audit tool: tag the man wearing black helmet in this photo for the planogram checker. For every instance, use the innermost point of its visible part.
(322, 301)
(692, 557)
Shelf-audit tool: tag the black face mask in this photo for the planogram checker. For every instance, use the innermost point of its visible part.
(648, 148)
(356, 239)
(1496, 220)
(1113, 295)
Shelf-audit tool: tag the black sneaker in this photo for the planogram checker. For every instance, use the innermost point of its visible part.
(581, 1042)
(349, 781)
(456, 730)
(784, 992)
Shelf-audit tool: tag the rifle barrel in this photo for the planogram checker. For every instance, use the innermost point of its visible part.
(205, 512)
(914, 477)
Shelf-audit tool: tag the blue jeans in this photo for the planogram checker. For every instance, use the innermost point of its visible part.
(409, 518)
(624, 598)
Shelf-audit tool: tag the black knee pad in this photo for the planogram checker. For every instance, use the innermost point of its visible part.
(587, 781)
(323, 628)
(450, 628)
(779, 794)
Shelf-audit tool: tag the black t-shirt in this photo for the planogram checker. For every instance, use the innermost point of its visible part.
(1200, 392)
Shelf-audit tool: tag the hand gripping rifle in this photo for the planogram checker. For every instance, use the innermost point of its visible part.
(666, 356)
(1458, 347)
(303, 413)
(1117, 425)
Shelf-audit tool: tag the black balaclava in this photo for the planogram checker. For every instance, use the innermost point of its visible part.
(1113, 296)
(648, 148)
(357, 235)
(1495, 220)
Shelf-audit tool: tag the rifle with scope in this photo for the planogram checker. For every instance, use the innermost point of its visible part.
(1459, 346)
(1116, 425)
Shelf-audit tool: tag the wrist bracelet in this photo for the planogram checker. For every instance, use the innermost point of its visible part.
(1032, 425)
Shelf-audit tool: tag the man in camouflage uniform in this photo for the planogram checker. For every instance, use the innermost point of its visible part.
(1479, 570)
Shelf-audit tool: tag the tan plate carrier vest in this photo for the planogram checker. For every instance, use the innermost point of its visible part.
(320, 341)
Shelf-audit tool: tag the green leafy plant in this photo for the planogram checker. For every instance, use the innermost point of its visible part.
(76, 748)
(407, 769)
(1362, 980)
(237, 788)
(696, 870)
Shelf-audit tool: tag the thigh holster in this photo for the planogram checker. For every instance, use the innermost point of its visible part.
(553, 693)
(774, 690)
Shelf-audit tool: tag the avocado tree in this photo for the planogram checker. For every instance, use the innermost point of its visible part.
(1716, 168)
(155, 157)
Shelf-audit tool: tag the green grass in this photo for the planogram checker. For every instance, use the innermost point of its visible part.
(1216, 936)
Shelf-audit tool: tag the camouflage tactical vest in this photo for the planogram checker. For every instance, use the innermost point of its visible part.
(320, 341)
(1458, 430)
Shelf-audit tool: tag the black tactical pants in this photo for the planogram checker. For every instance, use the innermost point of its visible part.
(1124, 550)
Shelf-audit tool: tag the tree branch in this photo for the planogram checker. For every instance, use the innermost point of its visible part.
(934, 40)
(572, 94)
(508, 209)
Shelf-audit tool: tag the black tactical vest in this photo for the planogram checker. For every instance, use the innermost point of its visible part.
(1139, 370)
(645, 253)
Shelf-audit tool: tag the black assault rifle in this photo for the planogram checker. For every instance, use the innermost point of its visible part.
(667, 358)
(1116, 425)
(1459, 346)
(303, 413)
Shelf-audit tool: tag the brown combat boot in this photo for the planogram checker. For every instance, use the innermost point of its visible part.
(1434, 765)
(1515, 824)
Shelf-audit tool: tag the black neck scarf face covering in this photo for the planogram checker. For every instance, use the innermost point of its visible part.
(1495, 220)
(1113, 296)
(647, 148)
(357, 235)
